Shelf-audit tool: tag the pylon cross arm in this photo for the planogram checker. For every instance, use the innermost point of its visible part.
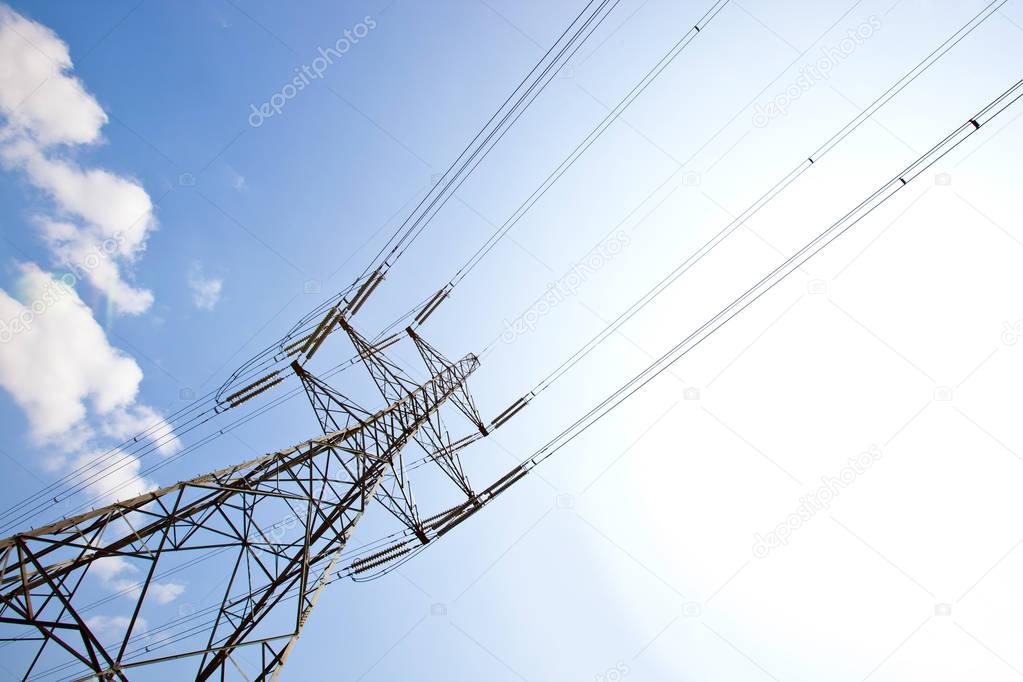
(236, 511)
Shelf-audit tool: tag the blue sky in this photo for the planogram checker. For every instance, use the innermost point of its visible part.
(630, 552)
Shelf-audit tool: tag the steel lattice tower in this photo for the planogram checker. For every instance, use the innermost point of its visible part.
(323, 486)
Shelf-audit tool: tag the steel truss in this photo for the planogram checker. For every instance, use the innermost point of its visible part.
(322, 485)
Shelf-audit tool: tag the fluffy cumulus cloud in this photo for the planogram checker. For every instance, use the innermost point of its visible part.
(58, 365)
(75, 388)
(205, 290)
(110, 629)
(125, 422)
(109, 475)
(38, 95)
(103, 219)
(121, 577)
(56, 361)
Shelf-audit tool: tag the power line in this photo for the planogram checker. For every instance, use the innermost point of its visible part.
(570, 160)
(353, 297)
(335, 476)
(811, 159)
(254, 368)
(783, 183)
(594, 135)
(103, 466)
(889, 189)
(411, 229)
(763, 200)
(528, 89)
(415, 226)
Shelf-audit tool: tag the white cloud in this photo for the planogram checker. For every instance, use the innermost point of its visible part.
(90, 258)
(37, 93)
(109, 567)
(105, 219)
(113, 207)
(165, 593)
(113, 627)
(110, 476)
(124, 423)
(107, 624)
(205, 290)
(119, 576)
(56, 361)
(59, 367)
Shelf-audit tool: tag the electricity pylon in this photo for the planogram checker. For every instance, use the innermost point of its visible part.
(320, 488)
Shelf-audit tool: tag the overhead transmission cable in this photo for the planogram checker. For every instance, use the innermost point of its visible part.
(879, 198)
(531, 86)
(535, 81)
(866, 207)
(580, 149)
(754, 208)
(774, 277)
(120, 457)
(414, 225)
(459, 176)
(781, 185)
(611, 117)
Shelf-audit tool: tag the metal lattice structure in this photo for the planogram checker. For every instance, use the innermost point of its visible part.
(280, 524)
(323, 485)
